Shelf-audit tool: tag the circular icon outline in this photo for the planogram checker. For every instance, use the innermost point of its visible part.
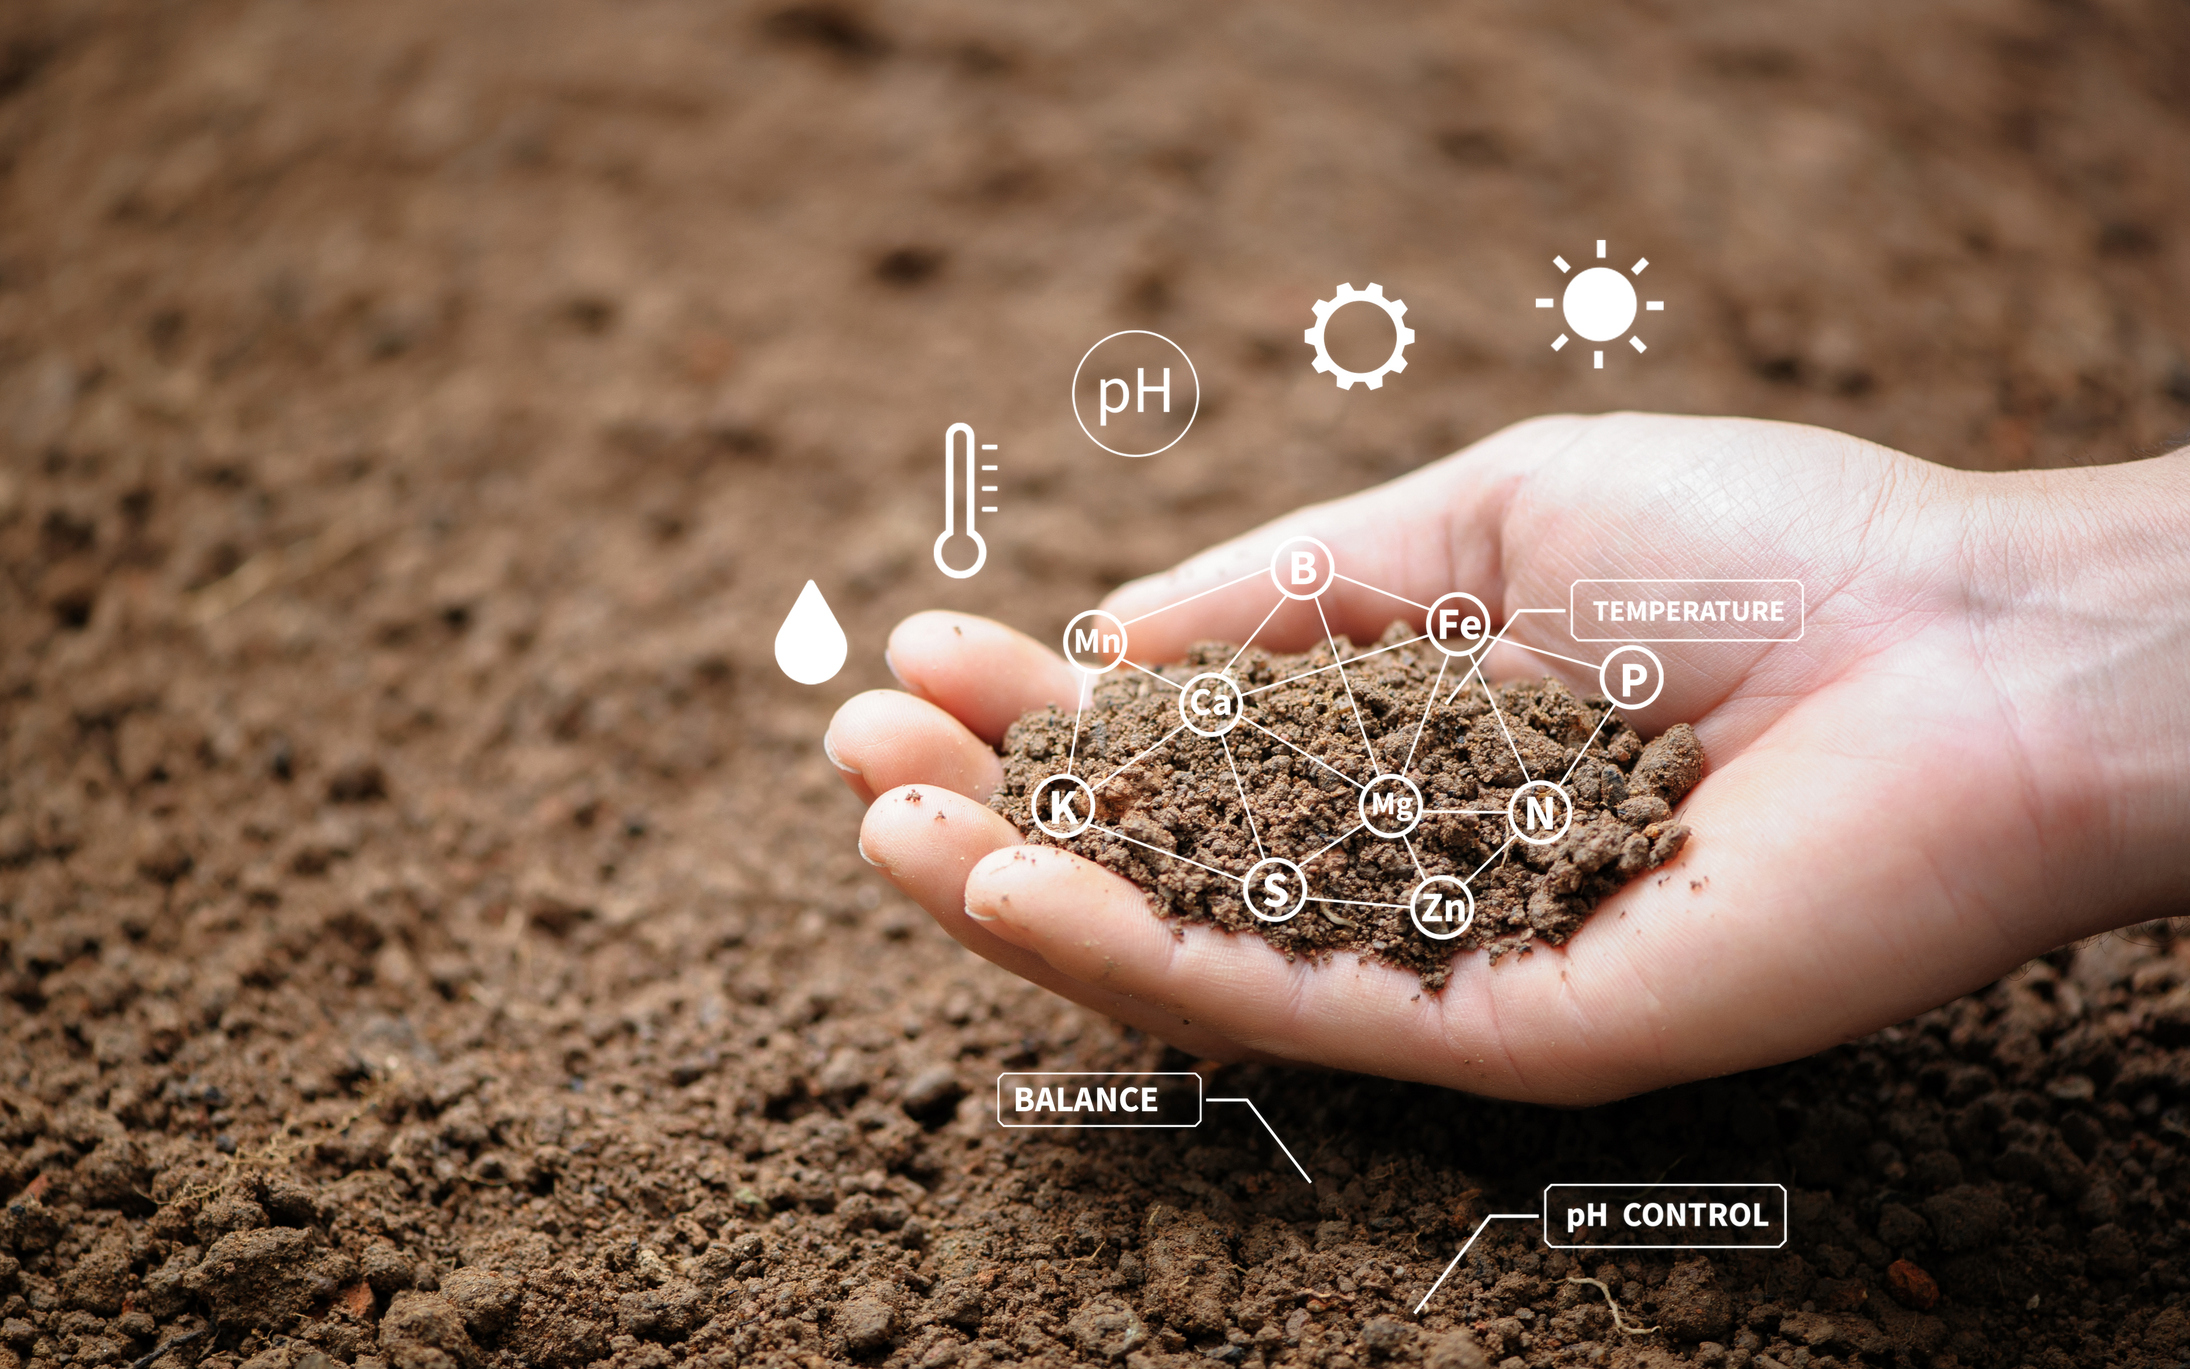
(1247, 885)
(1414, 907)
(1361, 807)
(1124, 642)
(1034, 806)
(1239, 702)
(1330, 563)
(1604, 684)
(1472, 652)
(1513, 824)
(1190, 371)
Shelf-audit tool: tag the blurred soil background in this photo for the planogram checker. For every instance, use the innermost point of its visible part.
(433, 936)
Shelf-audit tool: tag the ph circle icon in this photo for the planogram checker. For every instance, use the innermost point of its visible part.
(1141, 388)
(1395, 310)
(1441, 907)
(1274, 889)
(1631, 676)
(1391, 806)
(1540, 812)
(1302, 568)
(1459, 625)
(1095, 641)
(1062, 806)
(1211, 704)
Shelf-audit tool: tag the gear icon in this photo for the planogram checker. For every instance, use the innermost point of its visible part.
(1396, 310)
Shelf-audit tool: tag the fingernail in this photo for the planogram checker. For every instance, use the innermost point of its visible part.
(978, 917)
(895, 673)
(828, 748)
(865, 857)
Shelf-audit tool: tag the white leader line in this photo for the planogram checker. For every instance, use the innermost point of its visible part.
(1267, 1127)
(1495, 1216)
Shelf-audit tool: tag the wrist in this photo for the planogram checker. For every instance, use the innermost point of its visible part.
(2085, 626)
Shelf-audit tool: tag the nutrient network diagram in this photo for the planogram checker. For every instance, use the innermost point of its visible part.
(1389, 803)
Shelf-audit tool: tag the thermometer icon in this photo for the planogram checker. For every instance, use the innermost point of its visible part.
(974, 490)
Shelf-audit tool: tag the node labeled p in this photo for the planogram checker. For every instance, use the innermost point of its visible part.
(1631, 676)
(1441, 907)
(1540, 812)
(1302, 568)
(1211, 704)
(1274, 889)
(1095, 641)
(1459, 625)
(1063, 806)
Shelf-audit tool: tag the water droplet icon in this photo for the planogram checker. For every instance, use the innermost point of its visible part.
(810, 645)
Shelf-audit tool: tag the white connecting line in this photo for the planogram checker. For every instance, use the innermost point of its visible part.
(1473, 674)
(1493, 1217)
(1267, 1127)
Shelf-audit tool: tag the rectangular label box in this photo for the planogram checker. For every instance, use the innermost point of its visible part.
(1098, 1100)
(1685, 610)
(1665, 1216)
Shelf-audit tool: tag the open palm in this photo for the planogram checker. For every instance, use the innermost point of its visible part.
(1880, 826)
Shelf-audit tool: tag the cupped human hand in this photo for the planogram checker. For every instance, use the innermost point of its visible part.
(1914, 796)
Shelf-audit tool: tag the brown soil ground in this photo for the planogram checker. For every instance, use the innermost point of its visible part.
(432, 933)
(1198, 814)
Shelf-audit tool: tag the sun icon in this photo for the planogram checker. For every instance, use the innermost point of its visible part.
(1600, 303)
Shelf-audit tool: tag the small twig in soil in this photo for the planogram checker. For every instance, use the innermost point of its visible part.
(167, 1346)
(1619, 1323)
(1335, 917)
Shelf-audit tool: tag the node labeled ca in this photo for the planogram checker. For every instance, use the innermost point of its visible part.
(1391, 806)
(1095, 641)
(1302, 568)
(1441, 907)
(1135, 393)
(1062, 806)
(1211, 704)
(1459, 625)
(1540, 812)
(1395, 310)
(1275, 889)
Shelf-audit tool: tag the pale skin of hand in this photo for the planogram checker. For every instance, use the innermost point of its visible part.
(1979, 750)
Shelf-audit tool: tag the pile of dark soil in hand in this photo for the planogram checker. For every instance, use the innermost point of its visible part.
(1187, 817)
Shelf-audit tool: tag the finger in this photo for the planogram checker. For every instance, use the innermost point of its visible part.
(1397, 548)
(1096, 928)
(882, 739)
(982, 673)
(926, 840)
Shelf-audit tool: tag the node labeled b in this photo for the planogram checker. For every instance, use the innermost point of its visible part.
(1063, 806)
(1459, 625)
(1391, 806)
(1441, 907)
(1095, 641)
(1631, 677)
(1211, 704)
(1275, 889)
(1540, 812)
(1302, 568)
